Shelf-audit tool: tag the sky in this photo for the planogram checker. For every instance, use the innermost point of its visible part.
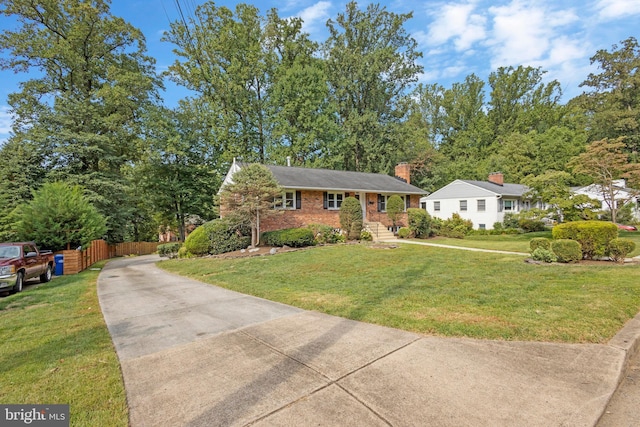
(457, 38)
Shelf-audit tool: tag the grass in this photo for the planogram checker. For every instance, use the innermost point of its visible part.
(56, 349)
(438, 291)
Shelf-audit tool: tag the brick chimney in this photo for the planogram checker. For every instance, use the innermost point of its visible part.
(403, 171)
(496, 178)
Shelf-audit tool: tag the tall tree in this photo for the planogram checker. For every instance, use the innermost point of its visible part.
(92, 79)
(371, 63)
(605, 162)
(180, 167)
(613, 102)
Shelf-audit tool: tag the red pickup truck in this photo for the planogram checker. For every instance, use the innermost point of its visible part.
(22, 261)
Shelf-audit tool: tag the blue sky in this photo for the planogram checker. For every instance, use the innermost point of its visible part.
(457, 38)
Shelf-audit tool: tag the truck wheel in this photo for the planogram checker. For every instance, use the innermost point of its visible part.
(19, 282)
(46, 276)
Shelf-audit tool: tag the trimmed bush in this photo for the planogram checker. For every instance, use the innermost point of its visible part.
(351, 217)
(456, 227)
(217, 237)
(419, 222)
(544, 255)
(531, 225)
(593, 236)
(567, 250)
(183, 253)
(293, 237)
(404, 232)
(169, 250)
(539, 242)
(620, 248)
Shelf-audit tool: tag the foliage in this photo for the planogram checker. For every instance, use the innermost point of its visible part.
(419, 222)
(169, 250)
(531, 225)
(510, 220)
(198, 241)
(455, 227)
(325, 234)
(603, 162)
(250, 196)
(366, 236)
(619, 248)
(217, 237)
(293, 237)
(60, 217)
(351, 217)
(593, 236)
(404, 232)
(544, 255)
(395, 207)
(567, 250)
(539, 242)
(89, 81)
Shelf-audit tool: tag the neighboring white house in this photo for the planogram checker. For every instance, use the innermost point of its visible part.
(483, 202)
(622, 195)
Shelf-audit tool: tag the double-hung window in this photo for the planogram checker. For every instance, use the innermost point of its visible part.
(463, 205)
(510, 205)
(436, 206)
(288, 200)
(334, 200)
(482, 205)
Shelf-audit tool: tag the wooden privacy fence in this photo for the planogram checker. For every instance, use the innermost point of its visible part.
(79, 260)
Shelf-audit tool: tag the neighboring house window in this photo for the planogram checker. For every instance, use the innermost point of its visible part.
(482, 226)
(526, 204)
(436, 206)
(510, 205)
(463, 205)
(482, 205)
(334, 200)
(423, 205)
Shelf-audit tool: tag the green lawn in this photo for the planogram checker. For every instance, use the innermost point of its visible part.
(56, 349)
(438, 291)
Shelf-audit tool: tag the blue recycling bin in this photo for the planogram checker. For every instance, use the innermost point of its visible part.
(59, 260)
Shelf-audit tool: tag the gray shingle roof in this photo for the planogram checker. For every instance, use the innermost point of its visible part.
(504, 190)
(334, 180)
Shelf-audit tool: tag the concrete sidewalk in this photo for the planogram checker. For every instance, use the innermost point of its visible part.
(197, 355)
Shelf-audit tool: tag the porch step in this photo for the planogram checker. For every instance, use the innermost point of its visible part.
(379, 231)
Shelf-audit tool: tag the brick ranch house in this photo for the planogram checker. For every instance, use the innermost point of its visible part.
(314, 196)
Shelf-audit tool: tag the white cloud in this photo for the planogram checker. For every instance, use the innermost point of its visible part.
(614, 9)
(455, 22)
(5, 124)
(315, 15)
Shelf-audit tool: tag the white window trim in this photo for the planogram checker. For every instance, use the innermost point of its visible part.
(336, 199)
(280, 202)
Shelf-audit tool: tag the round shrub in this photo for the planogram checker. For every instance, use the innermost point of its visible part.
(169, 250)
(293, 237)
(593, 236)
(620, 248)
(419, 222)
(539, 242)
(197, 242)
(183, 253)
(545, 255)
(567, 250)
(456, 227)
(351, 217)
(404, 232)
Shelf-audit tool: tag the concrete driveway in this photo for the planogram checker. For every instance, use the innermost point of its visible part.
(193, 354)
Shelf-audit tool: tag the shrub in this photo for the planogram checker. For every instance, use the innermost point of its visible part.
(197, 242)
(567, 250)
(419, 222)
(531, 225)
(456, 227)
(510, 220)
(183, 253)
(545, 255)
(593, 236)
(217, 237)
(620, 248)
(169, 250)
(404, 232)
(324, 233)
(539, 242)
(366, 235)
(294, 237)
(395, 206)
(351, 217)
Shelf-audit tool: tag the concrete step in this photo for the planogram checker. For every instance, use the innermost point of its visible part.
(379, 231)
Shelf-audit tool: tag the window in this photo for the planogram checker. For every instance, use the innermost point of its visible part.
(510, 205)
(423, 205)
(482, 205)
(436, 206)
(482, 226)
(334, 200)
(383, 199)
(289, 200)
(463, 205)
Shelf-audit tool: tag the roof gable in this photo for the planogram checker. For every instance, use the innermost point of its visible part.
(462, 188)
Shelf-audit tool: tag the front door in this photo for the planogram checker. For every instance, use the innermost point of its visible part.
(363, 205)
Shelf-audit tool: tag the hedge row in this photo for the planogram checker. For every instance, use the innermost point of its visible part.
(293, 237)
(593, 236)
